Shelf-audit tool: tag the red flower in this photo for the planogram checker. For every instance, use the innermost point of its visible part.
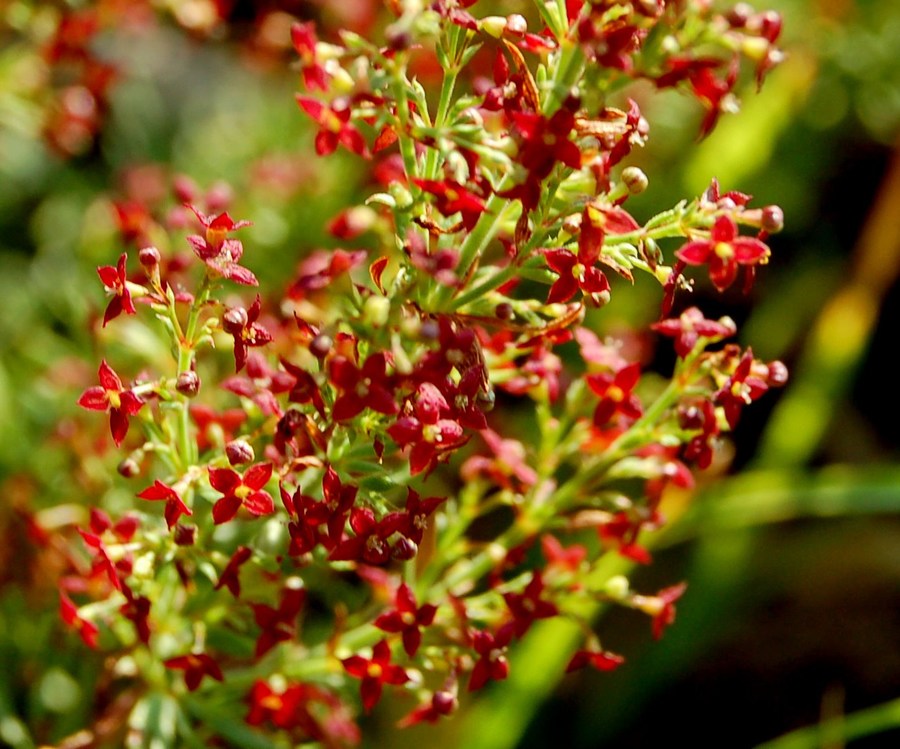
(375, 672)
(527, 606)
(740, 389)
(242, 326)
(691, 326)
(429, 435)
(370, 544)
(304, 39)
(111, 396)
(452, 198)
(442, 702)
(229, 577)
(599, 659)
(116, 282)
(414, 519)
(407, 618)
(615, 394)
(277, 624)
(662, 607)
(247, 491)
(492, 663)
(195, 667)
(369, 387)
(220, 254)
(723, 252)
(334, 126)
(175, 506)
(574, 274)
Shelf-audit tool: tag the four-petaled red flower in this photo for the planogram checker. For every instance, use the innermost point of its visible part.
(662, 607)
(407, 618)
(247, 491)
(741, 388)
(527, 606)
(116, 282)
(428, 433)
(452, 197)
(175, 506)
(111, 396)
(304, 39)
(195, 667)
(221, 254)
(492, 663)
(615, 394)
(277, 624)
(366, 387)
(334, 126)
(691, 326)
(575, 272)
(241, 325)
(229, 577)
(602, 660)
(375, 672)
(724, 251)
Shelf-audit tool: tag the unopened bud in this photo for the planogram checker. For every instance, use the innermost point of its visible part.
(738, 16)
(504, 311)
(493, 26)
(377, 310)
(404, 550)
(516, 24)
(321, 345)
(617, 587)
(185, 535)
(444, 702)
(129, 468)
(769, 23)
(188, 383)
(778, 374)
(635, 179)
(149, 257)
(772, 219)
(235, 320)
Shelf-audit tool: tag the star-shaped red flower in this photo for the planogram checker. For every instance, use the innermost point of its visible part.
(110, 396)
(724, 251)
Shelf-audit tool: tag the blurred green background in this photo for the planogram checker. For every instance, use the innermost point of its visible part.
(792, 617)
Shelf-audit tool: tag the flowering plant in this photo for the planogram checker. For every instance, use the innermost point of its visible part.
(422, 447)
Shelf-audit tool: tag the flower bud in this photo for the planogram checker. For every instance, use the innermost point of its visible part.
(149, 257)
(617, 587)
(444, 702)
(235, 320)
(377, 310)
(772, 219)
(778, 374)
(239, 452)
(185, 535)
(634, 179)
(504, 311)
(493, 26)
(129, 468)
(188, 383)
(404, 550)
(738, 16)
(321, 345)
(516, 24)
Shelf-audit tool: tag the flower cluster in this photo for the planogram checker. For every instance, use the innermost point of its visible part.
(422, 530)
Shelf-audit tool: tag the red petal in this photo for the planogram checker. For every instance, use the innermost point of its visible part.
(260, 503)
(94, 398)
(696, 252)
(108, 378)
(225, 509)
(257, 476)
